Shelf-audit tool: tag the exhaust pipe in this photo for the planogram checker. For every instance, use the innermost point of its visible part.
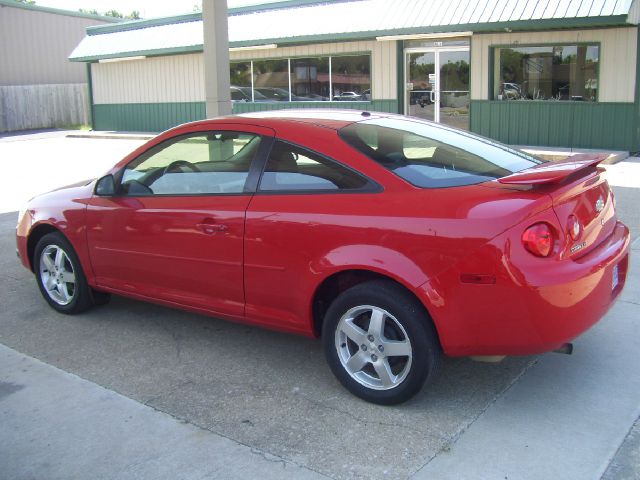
(566, 348)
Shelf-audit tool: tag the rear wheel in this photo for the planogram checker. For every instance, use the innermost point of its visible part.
(380, 342)
(60, 276)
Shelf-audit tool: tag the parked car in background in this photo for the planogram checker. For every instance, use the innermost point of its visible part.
(317, 98)
(394, 240)
(347, 97)
(243, 94)
(511, 91)
(280, 95)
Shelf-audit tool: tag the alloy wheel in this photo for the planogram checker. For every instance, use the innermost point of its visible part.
(57, 274)
(373, 347)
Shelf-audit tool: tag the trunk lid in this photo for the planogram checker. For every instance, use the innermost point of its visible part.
(577, 188)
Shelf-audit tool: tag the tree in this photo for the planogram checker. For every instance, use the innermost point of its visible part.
(27, 2)
(90, 12)
(134, 15)
(113, 13)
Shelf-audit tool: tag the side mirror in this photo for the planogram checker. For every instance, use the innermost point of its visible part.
(106, 186)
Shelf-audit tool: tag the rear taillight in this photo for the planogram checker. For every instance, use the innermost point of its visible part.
(539, 239)
(574, 229)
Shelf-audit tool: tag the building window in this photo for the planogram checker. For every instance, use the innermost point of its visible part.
(241, 82)
(311, 79)
(271, 80)
(351, 78)
(561, 72)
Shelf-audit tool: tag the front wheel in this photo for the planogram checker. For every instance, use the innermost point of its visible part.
(60, 276)
(380, 343)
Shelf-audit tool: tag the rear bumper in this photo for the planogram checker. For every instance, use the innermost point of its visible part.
(532, 308)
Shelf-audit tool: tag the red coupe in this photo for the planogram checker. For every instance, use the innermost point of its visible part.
(393, 239)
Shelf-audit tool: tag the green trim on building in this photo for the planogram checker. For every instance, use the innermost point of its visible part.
(636, 146)
(157, 117)
(563, 124)
(386, 106)
(400, 66)
(146, 117)
(58, 11)
(90, 93)
(142, 53)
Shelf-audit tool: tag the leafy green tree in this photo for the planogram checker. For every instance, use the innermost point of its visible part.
(87, 11)
(113, 13)
(134, 15)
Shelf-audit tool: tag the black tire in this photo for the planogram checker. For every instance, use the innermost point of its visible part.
(77, 296)
(404, 320)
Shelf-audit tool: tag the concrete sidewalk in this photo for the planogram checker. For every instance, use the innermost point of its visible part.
(55, 425)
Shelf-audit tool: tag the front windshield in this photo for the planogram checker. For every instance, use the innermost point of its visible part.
(433, 156)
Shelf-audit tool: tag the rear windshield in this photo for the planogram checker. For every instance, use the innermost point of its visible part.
(431, 156)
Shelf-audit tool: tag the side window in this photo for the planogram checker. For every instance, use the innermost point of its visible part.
(201, 163)
(292, 168)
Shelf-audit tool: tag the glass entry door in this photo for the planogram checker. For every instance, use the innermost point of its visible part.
(438, 85)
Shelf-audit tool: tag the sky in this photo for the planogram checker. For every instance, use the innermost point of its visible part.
(147, 8)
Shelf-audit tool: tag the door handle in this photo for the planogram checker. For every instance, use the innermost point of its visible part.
(212, 228)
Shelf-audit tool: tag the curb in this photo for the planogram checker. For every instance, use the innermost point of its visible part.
(113, 136)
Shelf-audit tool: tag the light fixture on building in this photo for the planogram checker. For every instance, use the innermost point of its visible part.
(121, 59)
(422, 36)
(253, 47)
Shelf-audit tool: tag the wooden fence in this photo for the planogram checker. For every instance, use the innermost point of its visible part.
(43, 106)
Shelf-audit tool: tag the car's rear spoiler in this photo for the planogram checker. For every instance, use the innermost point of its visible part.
(553, 172)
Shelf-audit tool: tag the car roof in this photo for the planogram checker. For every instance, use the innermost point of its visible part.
(321, 117)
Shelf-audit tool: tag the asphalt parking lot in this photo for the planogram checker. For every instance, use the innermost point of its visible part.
(265, 390)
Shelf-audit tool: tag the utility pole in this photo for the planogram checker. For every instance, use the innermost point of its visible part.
(216, 57)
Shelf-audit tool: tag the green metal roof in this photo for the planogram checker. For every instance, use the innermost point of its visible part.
(303, 21)
(58, 11)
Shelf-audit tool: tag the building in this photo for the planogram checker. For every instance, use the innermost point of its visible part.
(39, 87)
(528, 72)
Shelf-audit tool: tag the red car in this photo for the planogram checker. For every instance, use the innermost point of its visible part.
(393, 239)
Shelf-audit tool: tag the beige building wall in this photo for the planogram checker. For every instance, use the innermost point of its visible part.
(34, 46)
(180, 78)
(172, 78)
(617, 58)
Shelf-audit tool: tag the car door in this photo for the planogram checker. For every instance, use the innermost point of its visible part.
(174, 230)
(306, 206)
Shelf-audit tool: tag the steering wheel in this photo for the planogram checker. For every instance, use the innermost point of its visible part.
(175, 167)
